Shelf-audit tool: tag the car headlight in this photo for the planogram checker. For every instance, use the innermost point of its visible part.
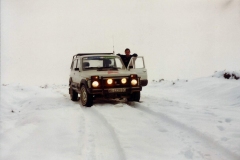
(95, 83)
(124, 80)
(109, 81)
(134, 82)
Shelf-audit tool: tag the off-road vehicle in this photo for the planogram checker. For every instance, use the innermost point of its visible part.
(104, 75)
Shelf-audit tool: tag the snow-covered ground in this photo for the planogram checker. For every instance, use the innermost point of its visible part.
(197, 119)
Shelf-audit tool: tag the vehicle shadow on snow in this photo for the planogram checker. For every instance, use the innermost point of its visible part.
(109, 102)
(101, 101)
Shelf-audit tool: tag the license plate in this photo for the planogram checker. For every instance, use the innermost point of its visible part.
(117, 90)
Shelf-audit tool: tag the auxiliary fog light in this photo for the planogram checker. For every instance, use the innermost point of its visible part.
(95, 83)
(109, 81)
(134, 82)
(124, 80)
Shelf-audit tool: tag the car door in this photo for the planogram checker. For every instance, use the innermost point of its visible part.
(75, 71)
(73, 66)
(78, 72)
(137, 65)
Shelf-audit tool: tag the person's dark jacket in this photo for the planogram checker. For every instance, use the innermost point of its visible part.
(126, 59)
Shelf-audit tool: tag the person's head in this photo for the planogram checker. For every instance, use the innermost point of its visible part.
(127, 51)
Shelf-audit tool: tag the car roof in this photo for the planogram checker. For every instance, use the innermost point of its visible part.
(83, 54)
(92, 54)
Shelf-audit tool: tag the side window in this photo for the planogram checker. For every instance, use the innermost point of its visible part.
(138, 62)
(74, 64)
(71, 65)
(79, 64)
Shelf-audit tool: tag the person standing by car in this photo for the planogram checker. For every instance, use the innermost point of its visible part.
(127, 57)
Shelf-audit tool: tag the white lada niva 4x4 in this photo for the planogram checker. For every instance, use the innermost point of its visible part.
(105, 75)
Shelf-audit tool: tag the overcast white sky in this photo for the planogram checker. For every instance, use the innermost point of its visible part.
(179, 39)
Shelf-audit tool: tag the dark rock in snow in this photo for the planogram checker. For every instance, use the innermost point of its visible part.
(227, 75)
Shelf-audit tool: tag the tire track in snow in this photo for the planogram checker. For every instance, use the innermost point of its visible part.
(101, 140)
(88, 146)
(206, 139)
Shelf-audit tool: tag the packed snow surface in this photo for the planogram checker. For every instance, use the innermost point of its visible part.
(181, 120)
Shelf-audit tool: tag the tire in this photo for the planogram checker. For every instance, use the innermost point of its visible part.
(135, 96)
(86, 98)
(73, 94)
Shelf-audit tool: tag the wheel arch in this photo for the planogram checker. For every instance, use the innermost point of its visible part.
(83, 82)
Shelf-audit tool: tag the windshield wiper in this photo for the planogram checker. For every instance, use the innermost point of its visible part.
(107, 68)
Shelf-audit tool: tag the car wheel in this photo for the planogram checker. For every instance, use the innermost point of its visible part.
(86, 98)
(73, 94)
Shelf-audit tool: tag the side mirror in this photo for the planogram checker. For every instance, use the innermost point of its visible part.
(76, 69)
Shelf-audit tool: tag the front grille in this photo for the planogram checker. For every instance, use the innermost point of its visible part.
(116, 83)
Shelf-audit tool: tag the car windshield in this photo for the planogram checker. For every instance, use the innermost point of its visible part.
(102, 63)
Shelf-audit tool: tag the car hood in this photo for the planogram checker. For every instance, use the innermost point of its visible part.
(110, 73)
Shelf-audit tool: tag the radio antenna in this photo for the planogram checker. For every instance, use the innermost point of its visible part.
(113, 44)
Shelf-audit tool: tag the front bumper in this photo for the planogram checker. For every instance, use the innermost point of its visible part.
(104, 88)
(105, 91)
(144, 82)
